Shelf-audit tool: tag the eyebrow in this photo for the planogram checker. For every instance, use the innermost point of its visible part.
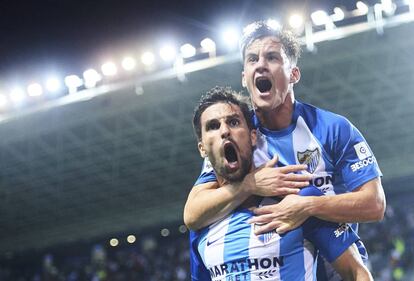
(235, 115)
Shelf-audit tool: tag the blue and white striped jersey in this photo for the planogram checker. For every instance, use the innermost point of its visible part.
(336, 153)
(334, 150)
(229, 249)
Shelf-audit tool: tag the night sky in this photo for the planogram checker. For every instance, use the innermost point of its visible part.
(68, 36)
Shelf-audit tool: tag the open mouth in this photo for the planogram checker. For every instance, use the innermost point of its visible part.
(230, 154)
(263, 84)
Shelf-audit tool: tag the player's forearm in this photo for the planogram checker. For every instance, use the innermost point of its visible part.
(364, 205)
(207, 205)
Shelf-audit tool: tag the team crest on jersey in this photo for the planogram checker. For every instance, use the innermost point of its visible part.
(309, 158)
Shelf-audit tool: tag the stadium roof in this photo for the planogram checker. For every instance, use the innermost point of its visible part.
(126, 159)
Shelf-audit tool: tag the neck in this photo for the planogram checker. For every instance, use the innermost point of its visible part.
(278, 118)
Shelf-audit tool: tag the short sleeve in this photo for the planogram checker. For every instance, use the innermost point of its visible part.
(355, 160)
(331, 239)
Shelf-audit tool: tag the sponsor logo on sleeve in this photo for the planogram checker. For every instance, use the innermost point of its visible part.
(362, 150)
(364, 155)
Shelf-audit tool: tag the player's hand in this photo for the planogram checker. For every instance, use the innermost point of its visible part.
(271, 181)
(286, 215)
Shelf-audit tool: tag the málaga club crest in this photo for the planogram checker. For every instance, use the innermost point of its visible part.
(309, 158)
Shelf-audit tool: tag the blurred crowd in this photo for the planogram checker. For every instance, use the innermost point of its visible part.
(156, 257)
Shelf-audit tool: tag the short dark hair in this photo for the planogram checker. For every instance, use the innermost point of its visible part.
(223, 95)
(260, 29)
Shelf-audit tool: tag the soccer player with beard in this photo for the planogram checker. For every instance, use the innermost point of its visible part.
(336, 156)
(229, 249)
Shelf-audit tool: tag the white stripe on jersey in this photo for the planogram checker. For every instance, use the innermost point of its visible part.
(231, 251)
(215, 235)
(303, 140)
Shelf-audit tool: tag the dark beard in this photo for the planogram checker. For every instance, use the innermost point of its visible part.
(237, 176)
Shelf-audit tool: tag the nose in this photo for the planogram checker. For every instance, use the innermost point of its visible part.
(224, 131)
(261, 65)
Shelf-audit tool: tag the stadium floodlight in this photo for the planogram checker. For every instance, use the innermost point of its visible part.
(296, 21)
(3, 101)
(410, 4)
(187, 50)
(230, 37)
(388, 7)
(131, 239)
(53, 85)
(338, 14)
(34, 90)
(273, 23)
(17, 95)
(147, 58)
(109, 69)
(208, 45)
(362, 8)
(113, 242)
(168, 53)
(320, 18)
(73, 82)
(91, 77)
(128, 63)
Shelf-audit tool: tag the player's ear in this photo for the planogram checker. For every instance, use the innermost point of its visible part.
(243, 80)
(201, 149)
(253, 137)
(295, 75)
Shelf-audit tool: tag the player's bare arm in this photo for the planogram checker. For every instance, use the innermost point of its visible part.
(366, 203)
(207, 203)
(350, 266)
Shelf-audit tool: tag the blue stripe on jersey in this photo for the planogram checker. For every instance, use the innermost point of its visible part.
(236, 242)
(290, 241)
(282, 144)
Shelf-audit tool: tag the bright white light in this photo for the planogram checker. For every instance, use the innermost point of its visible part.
(320, 17)
(113, 242)
(208, 45)
(273, 24)
(131, 239)
(73, 82)
(17, 95)
(128, 63)
(34, 90)
(53, 85)
(230, 37)
(168, 53)
(187, 50)
(147, 58)
(165, 232)
(109, 69)
(296, 21)
(338, 14)
(362, 7)
(3, 101)
(388, 7)
(410, 3)
(91, 77)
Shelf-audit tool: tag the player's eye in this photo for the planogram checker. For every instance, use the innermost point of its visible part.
(272, 57)
(234, 122)
(251, 58)
(212, 125)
